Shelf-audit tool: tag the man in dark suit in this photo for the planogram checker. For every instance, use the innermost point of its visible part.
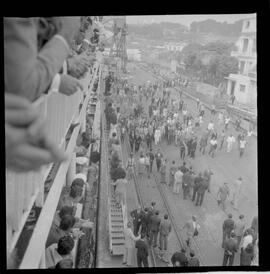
(196, 184)
(202, 187)
(154, 228)
(183, 168)
(179, 257)
(137, 219)
(227, 227)
(230, 246)
(186, 184)
(142, 251)
(144, 221)
(29, 71)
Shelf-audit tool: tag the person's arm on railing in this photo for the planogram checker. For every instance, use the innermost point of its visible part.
(27, 71)
(27, 144)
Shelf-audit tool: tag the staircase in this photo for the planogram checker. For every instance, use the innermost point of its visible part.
(117, 237)
(116, 214)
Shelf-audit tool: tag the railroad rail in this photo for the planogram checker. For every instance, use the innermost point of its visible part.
(153, 260)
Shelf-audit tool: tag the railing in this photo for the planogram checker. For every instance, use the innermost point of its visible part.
(25, 189)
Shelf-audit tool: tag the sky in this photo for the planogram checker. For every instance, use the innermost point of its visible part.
(187, 19)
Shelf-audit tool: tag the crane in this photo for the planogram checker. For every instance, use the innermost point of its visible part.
(118, 48)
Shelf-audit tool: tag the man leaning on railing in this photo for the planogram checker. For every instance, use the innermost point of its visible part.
(35, 50)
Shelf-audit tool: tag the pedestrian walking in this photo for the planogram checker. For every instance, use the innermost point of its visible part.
(240, 225)
(203, 144)
(230, 247)
(227, 227)
(151, 159)
(213, 146)
(142, 251)
(222, 195)
(164, 232)
(198, 103)
(137, 216)
(227, 120)
(130, 166)
(202, 187)
(197, 181)
(132, 140)
(130, 239)
(193, 147)
(141, 165)
(186, 184)
(242, 145)
(220, 118)
(192, 229)
(172, 171)
(222, 139)
(183, 149)
(230, 142)
(177, 181)
(154, 228)
(158, 157)
(237, 186)
(163, 172)
(144, 221)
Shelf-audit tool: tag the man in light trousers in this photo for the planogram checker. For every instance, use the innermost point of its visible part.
(130, 240)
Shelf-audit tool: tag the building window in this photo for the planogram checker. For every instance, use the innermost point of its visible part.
(242, 88)
(241, 67)
(247, 24)
(245, 45)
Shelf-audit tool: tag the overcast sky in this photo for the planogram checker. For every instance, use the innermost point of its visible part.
(186, 19)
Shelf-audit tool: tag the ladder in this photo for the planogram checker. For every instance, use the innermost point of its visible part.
(116, 215)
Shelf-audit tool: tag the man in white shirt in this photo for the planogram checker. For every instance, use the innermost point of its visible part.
(248, 239)
(130, 240)
(230, 141)
(210, 126)
(242, 145)
(213, 144)
(236, 192)
(177, 181)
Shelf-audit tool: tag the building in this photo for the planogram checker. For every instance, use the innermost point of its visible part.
(174, 46)
(134, 54)
(244, 84)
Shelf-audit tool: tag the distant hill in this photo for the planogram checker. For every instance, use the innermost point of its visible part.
(202, 32)
(213, 27)
(158, 30)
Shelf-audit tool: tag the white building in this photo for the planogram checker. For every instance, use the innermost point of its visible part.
(134, 54)
(174, 46)
(244, 84)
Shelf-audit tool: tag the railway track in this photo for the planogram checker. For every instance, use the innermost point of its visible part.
(153, 260)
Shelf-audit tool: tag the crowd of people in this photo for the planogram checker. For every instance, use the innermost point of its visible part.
(42, 55)
(169, 120)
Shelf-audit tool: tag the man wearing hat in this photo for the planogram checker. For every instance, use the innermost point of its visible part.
(179, 257)
(230, 247)
(192, 260)
(227, 228)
